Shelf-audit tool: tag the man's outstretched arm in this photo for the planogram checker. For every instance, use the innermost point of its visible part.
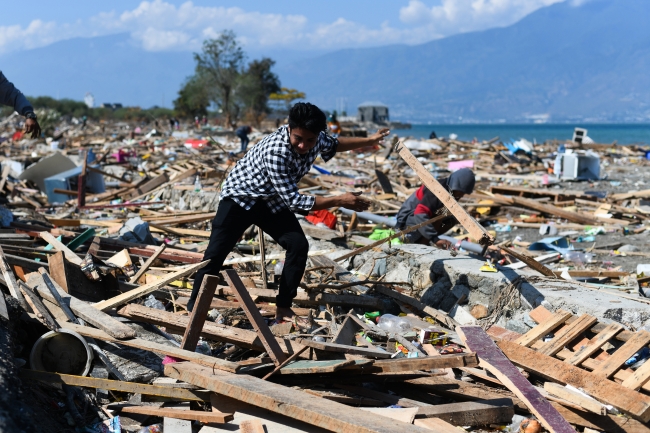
(14, 98)
(350, 143)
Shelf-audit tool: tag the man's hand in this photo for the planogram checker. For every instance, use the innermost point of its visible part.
(32, 126)
(353, 201)
(443, 244)
(378, 137)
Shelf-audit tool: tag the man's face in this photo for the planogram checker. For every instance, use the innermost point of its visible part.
(302, 140)
(458, 194)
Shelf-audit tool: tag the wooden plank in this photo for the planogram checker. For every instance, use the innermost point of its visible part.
(622, 354)
(85, 311)
(639, 378)
(211, 331)
(58, 246)
(191, 415)
(268, 340)
(42, 313)
(477, 413)
(493, 359)
(475, 230)
(114, 385)
(542, 329)
(455, 360)
(595, 344)
(148, 186)
(148, 263)
(148, 288)
(199, 313)
(198, 358)
(342, 348)
(286, 401)
(392, 399)
(549, 209)
(567, 335)
(575, 398)
(306, 366)
(10, 281)
(285, 362)
(624, 399)
(319, 298)
(530, 262)
(347, 331)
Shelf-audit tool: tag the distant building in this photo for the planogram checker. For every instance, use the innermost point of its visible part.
(373, 111)
(89, 99)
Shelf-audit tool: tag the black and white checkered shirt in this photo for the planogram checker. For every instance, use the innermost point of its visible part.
(271, 171)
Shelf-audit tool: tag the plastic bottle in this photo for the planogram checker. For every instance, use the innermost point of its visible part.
(204, 348)
(279, 266)
(152, 302)
(197, 184)
(393, 324)
(155, 428)
(579, 258)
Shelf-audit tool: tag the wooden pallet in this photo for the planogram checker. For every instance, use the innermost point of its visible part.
(577, 350)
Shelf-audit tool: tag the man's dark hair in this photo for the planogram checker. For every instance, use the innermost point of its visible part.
(307, 116)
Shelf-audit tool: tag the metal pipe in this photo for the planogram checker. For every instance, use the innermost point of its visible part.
(390, 222)
(467, 246)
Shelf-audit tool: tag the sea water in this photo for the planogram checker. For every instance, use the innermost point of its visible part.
(600, 133)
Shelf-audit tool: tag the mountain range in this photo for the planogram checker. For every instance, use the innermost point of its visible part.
(568, 61)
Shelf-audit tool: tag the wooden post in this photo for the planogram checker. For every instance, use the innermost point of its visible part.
(81, 181)
(470, 224)
(262, 256)
(199, 312)
(148, 263)
(263, 331)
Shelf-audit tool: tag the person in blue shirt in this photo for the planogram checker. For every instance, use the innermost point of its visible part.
(242, 132)
(13, 97)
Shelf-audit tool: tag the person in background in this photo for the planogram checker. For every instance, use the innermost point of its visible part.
(262, 189)
(423, 205)
(13, 97)
(242, 132)
(334, 125)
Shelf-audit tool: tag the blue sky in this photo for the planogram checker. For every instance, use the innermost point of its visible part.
(162, 25)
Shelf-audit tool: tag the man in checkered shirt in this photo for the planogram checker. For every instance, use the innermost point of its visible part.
(262, 190)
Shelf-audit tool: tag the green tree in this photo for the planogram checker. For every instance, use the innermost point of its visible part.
(286, 96)
(192, 99)
(257, 84)
(220, 66)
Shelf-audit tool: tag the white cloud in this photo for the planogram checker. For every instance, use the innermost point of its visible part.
(157, 25)
(457, 16)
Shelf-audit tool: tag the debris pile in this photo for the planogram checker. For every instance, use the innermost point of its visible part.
(535, 320)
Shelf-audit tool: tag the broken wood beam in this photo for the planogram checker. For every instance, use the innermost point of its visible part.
(148, 288)
(296, 404)
(83, 310)
(475, 230)
(165, 349)
(199, 313)
(115, 385)
(191, 415)
(624, 399)
(148, 264)
(476, 413)
(268, 340)
(493, 360)
(211, 331)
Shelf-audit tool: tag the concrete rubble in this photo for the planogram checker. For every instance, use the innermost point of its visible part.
(104, 226)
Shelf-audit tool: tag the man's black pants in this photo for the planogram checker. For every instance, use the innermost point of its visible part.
(230, 223)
